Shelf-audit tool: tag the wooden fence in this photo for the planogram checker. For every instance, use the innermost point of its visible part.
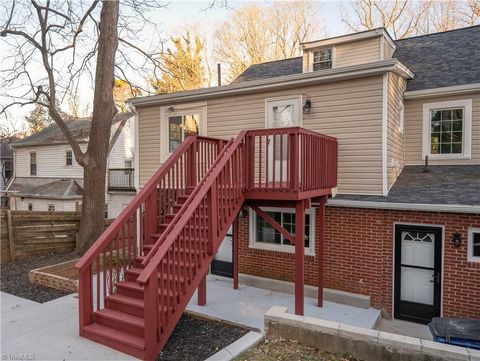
(32, 233)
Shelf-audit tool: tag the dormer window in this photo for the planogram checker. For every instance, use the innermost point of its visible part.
(322, 59)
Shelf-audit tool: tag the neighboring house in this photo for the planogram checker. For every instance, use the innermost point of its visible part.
(6, 161)
(47, 177)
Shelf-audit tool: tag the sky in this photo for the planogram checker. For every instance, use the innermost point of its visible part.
(178, 15)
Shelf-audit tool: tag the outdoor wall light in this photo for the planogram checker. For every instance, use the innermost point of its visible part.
(307, 106)
(457, 239)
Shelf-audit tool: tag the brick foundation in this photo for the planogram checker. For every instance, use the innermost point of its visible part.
(359, 247)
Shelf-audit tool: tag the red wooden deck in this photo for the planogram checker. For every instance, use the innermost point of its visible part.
(153, 257)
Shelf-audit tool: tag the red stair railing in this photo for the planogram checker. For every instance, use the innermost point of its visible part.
(199, 226)
(115, 250)
(290, 160)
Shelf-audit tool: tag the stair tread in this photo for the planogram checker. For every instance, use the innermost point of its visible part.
(116, 335)
(126, 299)
(121, 316)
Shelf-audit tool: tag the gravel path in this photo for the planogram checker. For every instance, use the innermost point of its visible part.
(195, 339)
(14, 277)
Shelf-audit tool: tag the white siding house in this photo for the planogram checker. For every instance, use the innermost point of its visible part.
(47, 177)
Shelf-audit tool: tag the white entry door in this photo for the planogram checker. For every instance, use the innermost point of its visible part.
(281, 114)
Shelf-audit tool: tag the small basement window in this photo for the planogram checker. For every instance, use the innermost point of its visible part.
(264, 236)
(474, 244)
(322, 59)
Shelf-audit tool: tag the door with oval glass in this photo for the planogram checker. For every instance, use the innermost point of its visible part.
(418, 258)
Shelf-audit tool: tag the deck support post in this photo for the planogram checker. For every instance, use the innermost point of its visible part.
(202, 292)
(235, 252)
(299, 257)
(85, 297)
(321, 248)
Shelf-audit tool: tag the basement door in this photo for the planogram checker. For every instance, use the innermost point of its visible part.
(222, 263)
(418, 257)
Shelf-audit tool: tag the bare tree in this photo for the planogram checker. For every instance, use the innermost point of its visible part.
(404, 18)
(55, 46)
(257, 34)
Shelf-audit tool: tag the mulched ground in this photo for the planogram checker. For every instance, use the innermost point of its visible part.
(196, 339)
(14, 277)
(284, 350)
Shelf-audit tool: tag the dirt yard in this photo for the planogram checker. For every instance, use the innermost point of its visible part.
(284, 350)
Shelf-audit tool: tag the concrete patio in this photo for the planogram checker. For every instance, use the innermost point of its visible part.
(247, 306)
(47, 331)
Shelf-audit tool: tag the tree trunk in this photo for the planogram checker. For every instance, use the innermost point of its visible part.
(95, 167)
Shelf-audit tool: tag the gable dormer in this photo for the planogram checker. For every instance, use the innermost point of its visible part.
(346, 50)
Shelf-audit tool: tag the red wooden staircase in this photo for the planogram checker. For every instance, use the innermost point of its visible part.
(138, 277)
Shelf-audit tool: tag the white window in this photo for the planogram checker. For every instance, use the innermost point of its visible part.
(264, 236)
(474, 244)
(128, 163)
(447, 130)
(33, 163)
(322, 59)
(180, 127)
(30, 206)
(51, 207)
(68, 158)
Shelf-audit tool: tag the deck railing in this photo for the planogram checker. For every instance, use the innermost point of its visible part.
(121, 179)
(290, 160)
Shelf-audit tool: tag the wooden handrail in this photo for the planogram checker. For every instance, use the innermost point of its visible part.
(133, 206)
(182, 210)
(151, 267)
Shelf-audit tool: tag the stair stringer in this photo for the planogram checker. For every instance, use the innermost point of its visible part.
(193, 286)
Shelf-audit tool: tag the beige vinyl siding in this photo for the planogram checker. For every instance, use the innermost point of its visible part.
(358, 52)
(413, 129)
(351, 111)
(388, 49)
(395, 141)
(149, 141)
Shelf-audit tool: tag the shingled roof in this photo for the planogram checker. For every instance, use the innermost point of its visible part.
(442, 59)
(80, 128)
(438, 60)
(442, 184)
(39, 187)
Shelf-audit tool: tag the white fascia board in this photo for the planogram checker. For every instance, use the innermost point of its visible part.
(286, 81)
(450, 90)
(453, 208)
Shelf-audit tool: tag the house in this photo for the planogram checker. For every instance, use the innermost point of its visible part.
(47, 177)
(6, 161)
(400, 226)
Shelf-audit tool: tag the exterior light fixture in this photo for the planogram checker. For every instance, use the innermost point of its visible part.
(307, 106)
(457, 239)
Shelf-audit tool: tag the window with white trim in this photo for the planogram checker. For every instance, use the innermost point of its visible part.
(264, 236)
(30, 206)
(322, 59)
(474, 244)
(33, 163)
(180, 127)
(68, 158)
(447, 129)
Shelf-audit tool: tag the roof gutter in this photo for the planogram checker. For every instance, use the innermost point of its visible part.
(436, 92)
(451, 208)
(301, 79)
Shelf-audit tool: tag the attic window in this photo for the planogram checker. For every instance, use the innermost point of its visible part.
(322, 59)
(68, 157)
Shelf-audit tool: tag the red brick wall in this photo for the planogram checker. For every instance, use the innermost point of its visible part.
(359, 256)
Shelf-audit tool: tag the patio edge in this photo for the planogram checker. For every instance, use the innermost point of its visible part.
(238, 347)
